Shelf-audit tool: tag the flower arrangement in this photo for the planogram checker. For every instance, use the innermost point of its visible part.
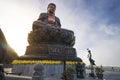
(42, 61)
(70, 73)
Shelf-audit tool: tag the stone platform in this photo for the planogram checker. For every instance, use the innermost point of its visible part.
(50, 55)
(51, 46)
(51, 68)
(49, 52)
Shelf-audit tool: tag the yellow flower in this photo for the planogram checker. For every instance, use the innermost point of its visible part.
(43, 62)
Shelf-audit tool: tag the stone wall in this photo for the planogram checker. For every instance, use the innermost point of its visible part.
(50, 70)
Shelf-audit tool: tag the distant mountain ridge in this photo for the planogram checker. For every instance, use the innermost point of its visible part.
(7, 54)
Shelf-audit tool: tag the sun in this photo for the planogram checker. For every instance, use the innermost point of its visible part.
(16, 22)
(16, 28)
(16, 38)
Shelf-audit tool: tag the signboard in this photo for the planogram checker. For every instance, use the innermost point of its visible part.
(61, 51)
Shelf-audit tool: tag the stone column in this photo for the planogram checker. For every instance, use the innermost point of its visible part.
(38, 72)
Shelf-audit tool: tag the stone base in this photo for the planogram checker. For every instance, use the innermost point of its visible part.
(50, 70)
(50, 52)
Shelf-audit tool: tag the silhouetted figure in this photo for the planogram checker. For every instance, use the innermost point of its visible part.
(92, 62)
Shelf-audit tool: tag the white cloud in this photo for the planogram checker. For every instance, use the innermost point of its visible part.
(102, 38)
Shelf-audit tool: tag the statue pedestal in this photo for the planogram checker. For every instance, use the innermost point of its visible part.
(51, 56)
(49, 52)
(52, 69)
(53, 47)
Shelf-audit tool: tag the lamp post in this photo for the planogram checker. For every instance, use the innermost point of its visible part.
(64, 68)
(64, 62)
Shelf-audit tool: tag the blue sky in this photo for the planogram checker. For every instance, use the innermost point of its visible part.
(96, 25)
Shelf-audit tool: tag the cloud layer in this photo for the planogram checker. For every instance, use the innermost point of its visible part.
(96, 24)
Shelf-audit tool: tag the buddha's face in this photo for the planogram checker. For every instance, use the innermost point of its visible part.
(51, 9)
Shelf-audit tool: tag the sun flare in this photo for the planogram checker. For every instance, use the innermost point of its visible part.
(16, 23)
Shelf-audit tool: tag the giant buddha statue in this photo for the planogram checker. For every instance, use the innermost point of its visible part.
(48, 40)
